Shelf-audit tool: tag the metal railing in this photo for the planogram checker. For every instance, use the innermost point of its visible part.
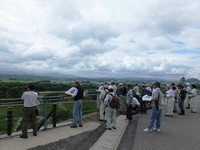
(52, 110)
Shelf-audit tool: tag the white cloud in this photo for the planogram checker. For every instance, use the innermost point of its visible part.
(101, 38)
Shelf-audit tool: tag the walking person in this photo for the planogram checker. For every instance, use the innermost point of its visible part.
(110, 112)
(193, 96)
(78, 100)
(129, 98)
(181, 98)
(103, 94)
(188, 98)
(156, 109)
(30, 102)
(170, 101)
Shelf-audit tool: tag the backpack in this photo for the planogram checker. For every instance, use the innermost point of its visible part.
(114, 102)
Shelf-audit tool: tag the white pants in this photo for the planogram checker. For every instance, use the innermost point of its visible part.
(110, 117)
(101, 111)
(187, 99)
(170, 106)
(194, 104)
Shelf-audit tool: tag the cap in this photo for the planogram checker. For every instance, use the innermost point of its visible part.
(121, 84)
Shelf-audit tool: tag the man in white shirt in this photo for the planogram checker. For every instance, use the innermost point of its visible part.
(114, 87)
(110, 112)
(170, 101)
(103, 94)
(78, 100)
(30, 103)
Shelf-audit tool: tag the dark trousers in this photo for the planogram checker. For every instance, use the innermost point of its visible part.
(143, 107)
(129, 112)
(181, 104)
(29, 114)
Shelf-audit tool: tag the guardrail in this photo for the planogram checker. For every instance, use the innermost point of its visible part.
(52, 110)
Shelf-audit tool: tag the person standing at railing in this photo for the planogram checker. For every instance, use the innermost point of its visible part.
(114, 87)
(78, 101)
(103, 94)
(193, 96)
(30, 102)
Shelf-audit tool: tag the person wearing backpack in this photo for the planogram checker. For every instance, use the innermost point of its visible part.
(110, 108)
(181, 98)
(102, 97)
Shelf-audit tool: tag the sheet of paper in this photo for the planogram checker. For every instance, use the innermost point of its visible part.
(146, 98)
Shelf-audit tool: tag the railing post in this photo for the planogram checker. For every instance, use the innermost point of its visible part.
(54, 115)
(45, 113)
(9, 120)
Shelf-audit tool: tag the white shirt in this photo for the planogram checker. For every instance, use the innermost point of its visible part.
(170, 93)
(148, 88)
(114, 89)
(30, 99)
(193, 93)
(188, 89)
(135, 102)
(73, 91)
(136, 89)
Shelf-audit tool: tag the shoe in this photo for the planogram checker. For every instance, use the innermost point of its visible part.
(73, 126)
(108, 128)
(147, 130)
(34, 133)
(101, 120)
(193, 112)
(114, 127)
(154, 129)
(80, 125)
(23, 136)
(174, 111)
(167, 115)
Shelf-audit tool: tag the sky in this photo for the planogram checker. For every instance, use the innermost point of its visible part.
(101, 38)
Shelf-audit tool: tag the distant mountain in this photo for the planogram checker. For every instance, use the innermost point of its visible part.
(193, 80)
(35, 77)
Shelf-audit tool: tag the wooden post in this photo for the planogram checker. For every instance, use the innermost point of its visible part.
(54, 115)
(9, 120)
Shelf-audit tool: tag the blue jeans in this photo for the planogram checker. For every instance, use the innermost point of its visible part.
(77, 108)
(156, 115)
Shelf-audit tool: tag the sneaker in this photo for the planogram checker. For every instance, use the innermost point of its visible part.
(114, 127)
(23, 136)
(108, 128)
(147, 130)
(80, 125)
(154, 129)
(73, 126)
(34, 133)
(101, 120)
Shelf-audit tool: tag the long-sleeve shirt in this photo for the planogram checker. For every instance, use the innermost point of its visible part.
(129, 96)
(108, 99)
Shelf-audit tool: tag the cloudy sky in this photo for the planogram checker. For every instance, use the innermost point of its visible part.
(104, 38)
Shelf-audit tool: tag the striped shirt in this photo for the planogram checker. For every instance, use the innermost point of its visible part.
(129, 96)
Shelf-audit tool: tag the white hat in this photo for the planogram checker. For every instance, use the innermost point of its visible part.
(188, 84)
(110, 87)
(121, 84)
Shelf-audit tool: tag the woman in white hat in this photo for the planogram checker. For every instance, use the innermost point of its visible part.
(170, 101)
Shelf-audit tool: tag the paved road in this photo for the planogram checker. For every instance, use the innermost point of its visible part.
(177, 133)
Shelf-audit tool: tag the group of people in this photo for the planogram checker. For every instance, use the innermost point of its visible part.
(173, 95)
(125, 96)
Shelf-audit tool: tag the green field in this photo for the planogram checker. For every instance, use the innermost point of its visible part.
(64, 112)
